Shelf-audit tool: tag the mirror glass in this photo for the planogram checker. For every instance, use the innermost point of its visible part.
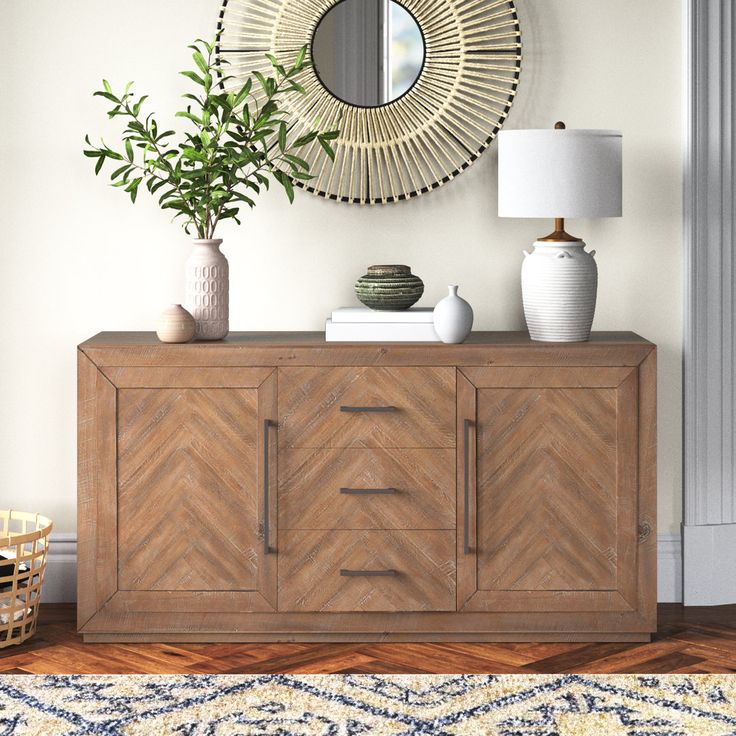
(368, 52)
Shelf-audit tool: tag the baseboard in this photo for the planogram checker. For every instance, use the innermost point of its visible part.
(60, 585)
(669, 568)
(710, 560)
(60, 581)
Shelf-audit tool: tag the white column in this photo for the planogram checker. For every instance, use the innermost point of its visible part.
(709, 530)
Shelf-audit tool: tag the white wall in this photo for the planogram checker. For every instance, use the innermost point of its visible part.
(76, 257)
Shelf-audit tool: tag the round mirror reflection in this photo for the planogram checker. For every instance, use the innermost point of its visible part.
(368, 52)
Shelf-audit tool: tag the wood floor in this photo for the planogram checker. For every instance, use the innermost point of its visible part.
(689, 640)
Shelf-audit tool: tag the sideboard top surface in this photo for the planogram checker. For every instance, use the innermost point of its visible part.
(310, 348)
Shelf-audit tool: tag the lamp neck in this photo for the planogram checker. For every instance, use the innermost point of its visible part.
(559, 234)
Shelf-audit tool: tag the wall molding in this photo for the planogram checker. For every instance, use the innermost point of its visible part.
(709, 338)
(60, 585)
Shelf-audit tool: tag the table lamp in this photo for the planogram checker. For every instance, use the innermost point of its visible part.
(559, 173)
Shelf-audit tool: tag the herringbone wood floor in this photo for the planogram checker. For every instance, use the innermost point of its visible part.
(694, 640)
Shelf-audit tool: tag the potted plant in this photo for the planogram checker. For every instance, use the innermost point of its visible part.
(240, 138)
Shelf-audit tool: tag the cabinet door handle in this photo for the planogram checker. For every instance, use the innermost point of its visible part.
(368, 409)
(368, 573)
(267, 424)
(466, 486)
(367, 491)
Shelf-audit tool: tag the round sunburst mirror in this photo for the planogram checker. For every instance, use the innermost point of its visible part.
(417, 88)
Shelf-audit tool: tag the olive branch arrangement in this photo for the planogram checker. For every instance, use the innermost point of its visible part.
(239, 140)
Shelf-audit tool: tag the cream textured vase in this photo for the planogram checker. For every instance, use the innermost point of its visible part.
(453, 317)
(559, 282)
(175, 324)
(207, 295)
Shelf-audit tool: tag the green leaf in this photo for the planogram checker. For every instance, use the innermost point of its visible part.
(115, 174)
(106, 85)
(93, 154)
(276, 64)
(305, 139)
(327, 148)
(100, 163)
(209, 46)
(244, 92)
(190, 116)
(285, 182)
(262, 81)
(296, 161)
(192, 154)
(132, 188)
(300, 57)
(282, 136)
(199, 60)
(107, 96)
(129, 149)
(138, 105)
(194, 77)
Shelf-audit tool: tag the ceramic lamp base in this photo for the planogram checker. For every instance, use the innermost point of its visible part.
(559, 284)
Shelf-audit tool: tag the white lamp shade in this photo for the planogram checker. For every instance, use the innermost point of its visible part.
(559, 173)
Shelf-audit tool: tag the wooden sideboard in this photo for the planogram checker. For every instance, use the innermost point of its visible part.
(274, 487)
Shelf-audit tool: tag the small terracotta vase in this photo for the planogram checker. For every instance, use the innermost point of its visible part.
(175, 324)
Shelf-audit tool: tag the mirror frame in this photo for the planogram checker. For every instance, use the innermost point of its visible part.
(412, 145)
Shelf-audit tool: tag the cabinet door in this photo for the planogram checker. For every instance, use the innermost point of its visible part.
(548, 474)
(192, 502)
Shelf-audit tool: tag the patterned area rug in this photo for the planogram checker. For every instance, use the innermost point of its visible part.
(506, 705)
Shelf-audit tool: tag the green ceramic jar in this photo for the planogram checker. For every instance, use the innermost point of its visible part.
(389, 288)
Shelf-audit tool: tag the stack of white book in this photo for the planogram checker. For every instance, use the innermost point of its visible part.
(361, 324)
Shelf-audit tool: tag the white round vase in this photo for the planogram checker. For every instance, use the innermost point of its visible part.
(175, 324)
(559, 282)
(453, 317)
(207, 290)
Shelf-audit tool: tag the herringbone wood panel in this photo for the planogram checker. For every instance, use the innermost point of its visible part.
(547, 489)
(187, 474)
(422, 484)
(310, 401)
(310, 563)
(688, 640)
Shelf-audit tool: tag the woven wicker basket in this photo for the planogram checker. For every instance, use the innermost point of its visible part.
(25, 539)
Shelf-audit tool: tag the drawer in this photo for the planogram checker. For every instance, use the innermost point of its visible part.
(367, 407)
(367, 489)
(343, 571)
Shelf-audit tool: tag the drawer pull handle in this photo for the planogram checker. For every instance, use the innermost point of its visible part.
(368, 409)
(368, 573)
(367, 491)
(466, 486)
(267, 424)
